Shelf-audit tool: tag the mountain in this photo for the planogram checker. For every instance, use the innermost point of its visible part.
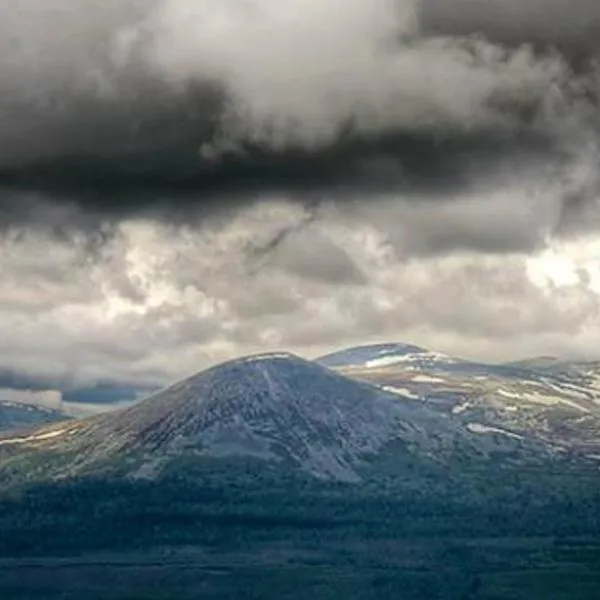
(379, 355)
(282, 410)
(274, 407)
(556, 402)
(274, 477)
(16, 415)
(413, 358)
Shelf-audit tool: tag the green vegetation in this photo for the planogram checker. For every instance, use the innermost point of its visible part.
(215, 502)
(253, 530)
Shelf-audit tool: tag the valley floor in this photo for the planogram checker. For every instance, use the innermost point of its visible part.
(444, 568)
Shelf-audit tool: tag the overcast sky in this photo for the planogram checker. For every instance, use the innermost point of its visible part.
(182, 182)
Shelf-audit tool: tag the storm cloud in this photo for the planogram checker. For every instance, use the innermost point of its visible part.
(170, 105)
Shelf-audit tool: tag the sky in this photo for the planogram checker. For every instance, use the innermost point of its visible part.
(183, 182)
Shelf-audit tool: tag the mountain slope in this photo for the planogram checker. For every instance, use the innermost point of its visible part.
(548, 400)
(272, 450)
(277, 408)
(413, 358)
(16, 415)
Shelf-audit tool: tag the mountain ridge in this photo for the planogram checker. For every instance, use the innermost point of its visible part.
(554, 401)
(21, 416)
(275, 407)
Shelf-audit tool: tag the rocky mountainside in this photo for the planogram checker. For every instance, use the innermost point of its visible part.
(16, 415)
(277, 408)
(555, 402)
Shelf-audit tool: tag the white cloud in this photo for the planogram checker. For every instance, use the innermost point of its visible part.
(160, 302)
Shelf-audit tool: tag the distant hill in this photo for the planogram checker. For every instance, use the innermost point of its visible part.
(16, 415)
(543, 398)
(372, 355)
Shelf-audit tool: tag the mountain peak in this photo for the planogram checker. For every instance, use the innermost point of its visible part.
(264, 356)
(272, 406)
(375, 355)
(259, 359)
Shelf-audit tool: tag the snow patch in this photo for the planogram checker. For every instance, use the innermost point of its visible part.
(383, 361)
(539, 398)
(34, 438)
(150, 469)
(461, 408)
(235, 439)
(550, 400)
(410, 357)
(427, 379)
(507, 394)
(480, 428)
(264, 357)
(400, 391)
(570, 389)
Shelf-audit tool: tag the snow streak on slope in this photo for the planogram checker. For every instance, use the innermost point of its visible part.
(35, 437)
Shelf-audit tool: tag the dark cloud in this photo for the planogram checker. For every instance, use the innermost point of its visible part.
(572, 28)
(161, 185)
(167, 106)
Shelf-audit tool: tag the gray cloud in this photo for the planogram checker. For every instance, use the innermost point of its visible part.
(197, 303)
(572, 28)
(168, 105)
(311, 254)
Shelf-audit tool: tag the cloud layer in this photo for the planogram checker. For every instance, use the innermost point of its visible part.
(182, 181)
(125, 105)
(160, 302)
